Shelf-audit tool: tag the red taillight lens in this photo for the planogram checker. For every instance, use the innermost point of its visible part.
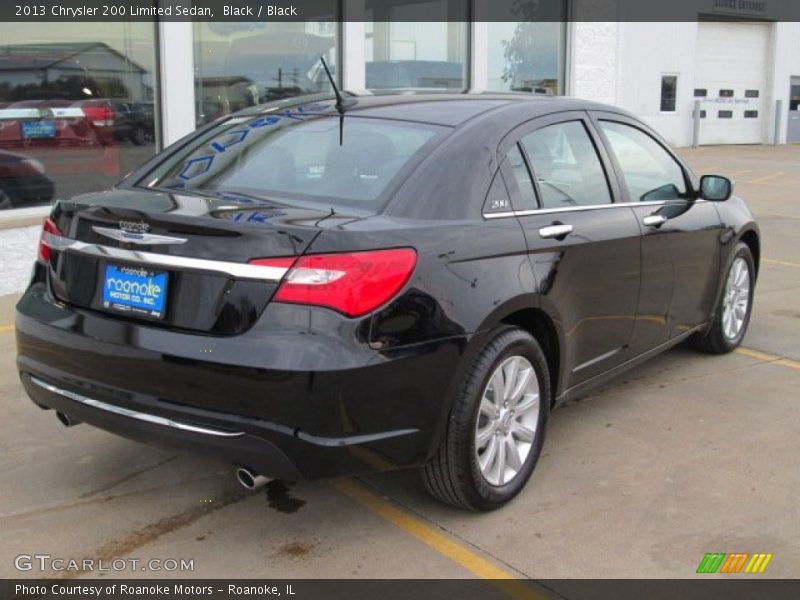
(44, 249)
(100, 114)
(353, 284)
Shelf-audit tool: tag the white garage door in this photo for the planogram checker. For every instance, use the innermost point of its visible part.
(730, 79)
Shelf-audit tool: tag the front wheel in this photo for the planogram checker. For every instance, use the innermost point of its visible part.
(496, 427)
(732, 314)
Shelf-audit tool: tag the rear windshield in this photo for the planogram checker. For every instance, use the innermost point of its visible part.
(298, 160)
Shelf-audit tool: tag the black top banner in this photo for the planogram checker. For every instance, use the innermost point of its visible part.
(387, 10)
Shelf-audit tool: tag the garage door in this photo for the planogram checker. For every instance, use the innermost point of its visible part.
(730, 80)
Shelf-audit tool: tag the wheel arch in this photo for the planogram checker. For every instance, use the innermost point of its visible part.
(541, 326)
(751, 238)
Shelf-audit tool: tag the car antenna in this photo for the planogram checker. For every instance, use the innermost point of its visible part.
(339, 100)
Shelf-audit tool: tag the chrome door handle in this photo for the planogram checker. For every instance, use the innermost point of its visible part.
(654, 220)
(555, 231)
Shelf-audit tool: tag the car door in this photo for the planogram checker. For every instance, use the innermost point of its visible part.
(680, 233)
(584, 248)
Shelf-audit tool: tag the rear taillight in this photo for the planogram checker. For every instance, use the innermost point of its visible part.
(44, 249)
(99, 115)
(353, 284)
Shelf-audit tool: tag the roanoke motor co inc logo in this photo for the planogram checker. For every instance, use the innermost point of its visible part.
(738, 562)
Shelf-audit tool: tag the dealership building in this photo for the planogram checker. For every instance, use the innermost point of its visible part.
(83, 103)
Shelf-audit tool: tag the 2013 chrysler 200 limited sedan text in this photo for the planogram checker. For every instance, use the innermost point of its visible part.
(320, 287)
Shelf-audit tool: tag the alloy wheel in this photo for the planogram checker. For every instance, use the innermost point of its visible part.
(736, 300)
(507, 420)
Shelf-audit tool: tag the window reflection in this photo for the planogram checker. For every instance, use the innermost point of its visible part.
(243, 64)
(417, 55)
(77, 107)
(527, 57)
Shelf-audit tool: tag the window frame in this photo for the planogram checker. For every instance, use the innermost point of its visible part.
(690, 179)
(514, 137)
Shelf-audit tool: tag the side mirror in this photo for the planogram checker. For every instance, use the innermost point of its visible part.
(715, 188)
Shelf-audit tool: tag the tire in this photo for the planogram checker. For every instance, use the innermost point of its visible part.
(721, 337)
(138, 136)
(7, 199)
(455, 474)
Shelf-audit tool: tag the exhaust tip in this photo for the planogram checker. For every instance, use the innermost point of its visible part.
(66, 420)
(249, 479)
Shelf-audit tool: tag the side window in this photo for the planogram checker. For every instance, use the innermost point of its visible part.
(522, 177)
(566, 166)
(649, 171)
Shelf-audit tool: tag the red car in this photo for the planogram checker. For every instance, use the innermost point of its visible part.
(68, 137)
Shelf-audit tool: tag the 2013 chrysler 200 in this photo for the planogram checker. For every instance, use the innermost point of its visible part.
(315, 287)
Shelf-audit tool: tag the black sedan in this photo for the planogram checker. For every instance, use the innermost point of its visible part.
(312, 288)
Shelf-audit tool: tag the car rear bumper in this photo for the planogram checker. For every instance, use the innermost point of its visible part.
(283, 399)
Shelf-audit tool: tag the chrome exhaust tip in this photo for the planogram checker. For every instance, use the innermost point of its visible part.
(66, 420)
(250, 480)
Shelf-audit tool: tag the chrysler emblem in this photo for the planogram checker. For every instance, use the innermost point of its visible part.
(132, 232)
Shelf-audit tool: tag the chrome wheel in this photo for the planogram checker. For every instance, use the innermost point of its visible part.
(736, 300)
(507, 420)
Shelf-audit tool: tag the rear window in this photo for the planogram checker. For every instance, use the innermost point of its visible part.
(296, 158)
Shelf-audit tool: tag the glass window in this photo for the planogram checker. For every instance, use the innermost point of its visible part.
(78, 107)
(726, 93)
(238, 65)
(527, 57)
(669, 91)
(700, 92)
(497, 200)
(794, 96)
(751, 94)
(430, 53)
(751, 114)
(306, 164)
(649, 170)
(566, 166)
(725, 114)
(522, 177)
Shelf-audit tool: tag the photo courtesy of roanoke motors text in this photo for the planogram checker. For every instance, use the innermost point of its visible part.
(336, 299)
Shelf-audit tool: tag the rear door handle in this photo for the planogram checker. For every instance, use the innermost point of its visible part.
(555, 231)
(654, 220)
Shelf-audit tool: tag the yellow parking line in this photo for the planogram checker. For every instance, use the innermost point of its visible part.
(770, 358)
(422, 531)
(766, 178)
(442, 544)
(784, 263)
(4, 328)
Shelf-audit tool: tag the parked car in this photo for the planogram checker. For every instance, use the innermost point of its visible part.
(385, 282)
(68, 137)
(23, 181)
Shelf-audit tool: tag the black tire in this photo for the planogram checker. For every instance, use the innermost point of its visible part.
(453, 475)
(138, 136)
(8, 199)
(713, 340)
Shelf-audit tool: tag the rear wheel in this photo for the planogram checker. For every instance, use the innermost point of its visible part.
(732, 314)
(496, 427)
(138, 136)
(7, 199)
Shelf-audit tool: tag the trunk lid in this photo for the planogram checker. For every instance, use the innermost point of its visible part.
(195, 248)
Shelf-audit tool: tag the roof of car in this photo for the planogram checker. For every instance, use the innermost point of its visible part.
(450, 109)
